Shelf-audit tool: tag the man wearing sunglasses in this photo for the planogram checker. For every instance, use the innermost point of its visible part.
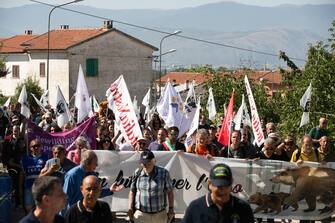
(32, 164)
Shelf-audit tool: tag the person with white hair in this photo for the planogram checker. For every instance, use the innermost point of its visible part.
(73, 179)
(80, 145)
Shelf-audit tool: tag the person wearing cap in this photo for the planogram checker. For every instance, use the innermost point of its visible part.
(219, 205)
(150, 192)
(141, 144)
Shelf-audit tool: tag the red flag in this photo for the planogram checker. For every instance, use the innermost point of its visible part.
(224, 136)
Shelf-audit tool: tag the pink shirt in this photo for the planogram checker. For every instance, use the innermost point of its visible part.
(74, 156)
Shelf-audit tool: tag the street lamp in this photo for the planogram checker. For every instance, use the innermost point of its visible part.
(160, 57)
(155, 57)
(48, 52)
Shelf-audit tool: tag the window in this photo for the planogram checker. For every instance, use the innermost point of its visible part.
(92, 67)
(16, 71)
(42, 69)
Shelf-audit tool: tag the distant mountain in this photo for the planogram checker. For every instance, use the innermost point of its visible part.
(270, 29)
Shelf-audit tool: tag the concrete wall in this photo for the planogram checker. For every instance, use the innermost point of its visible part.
(58, 73)
(9, 83)
(30, 67)
(117, 55)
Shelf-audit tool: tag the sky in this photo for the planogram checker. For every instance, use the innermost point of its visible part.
(163, 4)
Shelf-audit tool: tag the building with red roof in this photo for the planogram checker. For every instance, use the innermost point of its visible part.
(104, 53)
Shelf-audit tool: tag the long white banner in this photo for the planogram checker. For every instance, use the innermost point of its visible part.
(252, 181)
(255, 121)
(120, 102)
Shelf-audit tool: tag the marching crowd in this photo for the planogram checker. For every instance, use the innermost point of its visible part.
(64, 187)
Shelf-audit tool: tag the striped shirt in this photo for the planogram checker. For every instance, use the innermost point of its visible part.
(151, 189)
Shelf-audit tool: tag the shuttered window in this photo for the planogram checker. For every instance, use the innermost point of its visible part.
(92, 67)
(42, 69)
(16, 71)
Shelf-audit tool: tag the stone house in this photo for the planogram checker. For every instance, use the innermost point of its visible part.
(104, 53)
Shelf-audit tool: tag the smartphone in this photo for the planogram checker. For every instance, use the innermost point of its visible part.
(55, 161)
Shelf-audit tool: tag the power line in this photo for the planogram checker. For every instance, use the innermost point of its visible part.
(164, 32)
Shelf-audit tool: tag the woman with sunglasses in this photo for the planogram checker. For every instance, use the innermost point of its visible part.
(106, 143)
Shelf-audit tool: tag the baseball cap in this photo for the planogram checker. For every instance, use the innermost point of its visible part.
(146, 156)
(140, 139)
(220, 175)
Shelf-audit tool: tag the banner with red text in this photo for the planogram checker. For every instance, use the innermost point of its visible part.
(120, 102)
(255, 121)
(189, 174)
(67, 139)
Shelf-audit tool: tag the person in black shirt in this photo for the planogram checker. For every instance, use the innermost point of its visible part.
(49, 198)
(219, 205)
(89, 209)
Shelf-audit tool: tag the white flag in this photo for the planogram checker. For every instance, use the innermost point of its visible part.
(242, 116)
(238, 116)
(193, 127)
(39, 103)
(62, 110)
(23, 100)
(256, 123)
(211, 105)
(146, 99)
(170, 106)
(82, 101)
(305, 103)
(45, 98)
(7, 103)
(136, 108)
(95, 104)
(146, 103)
(190, 107)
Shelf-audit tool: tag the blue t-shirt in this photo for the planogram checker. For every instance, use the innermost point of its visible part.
(32, 166)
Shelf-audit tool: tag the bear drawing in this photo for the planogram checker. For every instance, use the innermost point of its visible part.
(309, 183)
(266, 202)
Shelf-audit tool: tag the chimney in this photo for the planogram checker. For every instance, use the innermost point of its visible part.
(108, 24)
(63, 27)
(28, 32)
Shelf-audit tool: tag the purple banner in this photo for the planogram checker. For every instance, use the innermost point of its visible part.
(68, 138)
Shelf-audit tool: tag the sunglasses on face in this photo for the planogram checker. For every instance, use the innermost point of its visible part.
(142, 143)
(35, 146)
(173, 133)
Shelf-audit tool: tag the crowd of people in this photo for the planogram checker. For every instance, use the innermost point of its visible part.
(67, 183)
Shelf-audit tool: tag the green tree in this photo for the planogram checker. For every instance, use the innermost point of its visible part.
(32, 86)
(319, 70)
(223, 86)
